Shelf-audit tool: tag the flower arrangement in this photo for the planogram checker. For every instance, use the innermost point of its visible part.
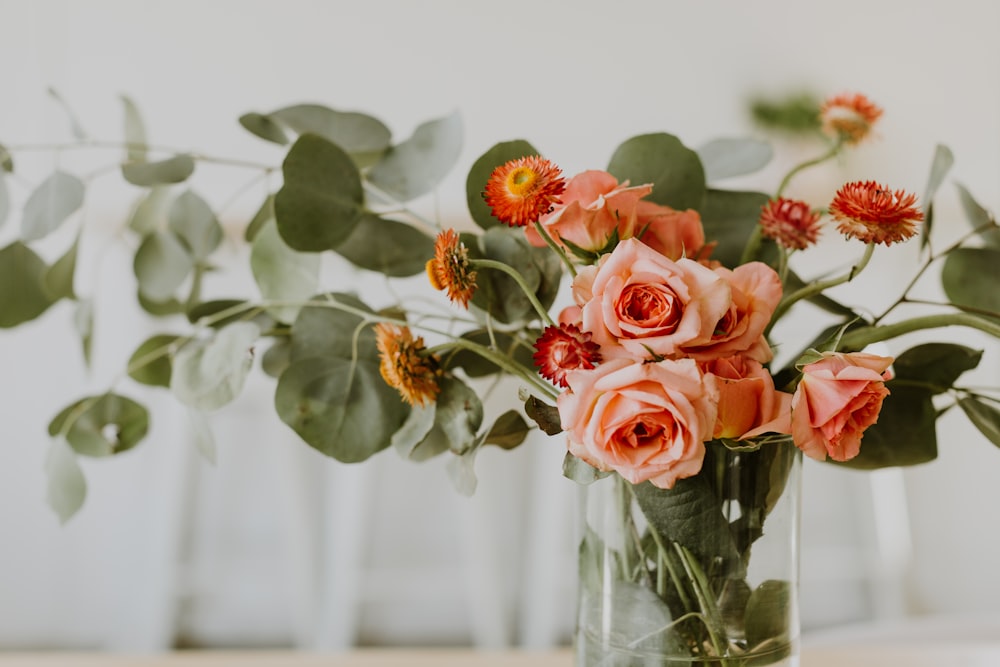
(657, 362)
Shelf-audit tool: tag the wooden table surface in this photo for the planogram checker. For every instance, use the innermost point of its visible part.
(977, 654)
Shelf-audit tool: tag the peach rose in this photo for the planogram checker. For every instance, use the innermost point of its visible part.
(645, 421)
(756, 291)
(672, 233)
(838, 397)
(594, 205)
(643, 305)
(749, 405)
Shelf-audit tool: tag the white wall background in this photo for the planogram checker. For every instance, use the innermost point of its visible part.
(262, 549)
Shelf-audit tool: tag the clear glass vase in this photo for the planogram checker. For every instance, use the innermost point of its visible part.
(701, 574)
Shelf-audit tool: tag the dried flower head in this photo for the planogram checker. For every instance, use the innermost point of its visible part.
(405, 365)
(450, 268)
(870, 212)
(849, 116)
(562, 349)
(790, 223)
(523, 190)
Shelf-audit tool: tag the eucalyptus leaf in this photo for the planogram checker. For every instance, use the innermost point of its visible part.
(459, 414)
(984, 416)
(480, 173)
(176, 169)
(264, 127)
(101, 425)
(161, 265)
(50, 204)
(361, 135)
(277, 357)
(508, 431)
(202, 436)
(320, 202)
(904, 434)
(135, 131)
(940, 166)
(149, 214)
(978, 216)
(390, 247)
(83, 322)
(640, 613)
(767, 615)
(728, 157)
(150, 363)
(416, 166)
(264, 215)
(58, 280)
(75, 128)
(476, 366)
(321, 331)
(23, 296)
(6, 160)
(730, 218)
(674, 170)
(580, 471)
(340, 407)
(4, 201)
(192, 220)
(209, 374)
(498, 293)
(281, 273)
(409, 440)
(462, 472)
(168, 306)
(969, 278)
(66, 485)
(936, 365)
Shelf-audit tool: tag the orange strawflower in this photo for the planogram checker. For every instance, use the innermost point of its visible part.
(523, 190)
(405, 365)
(562, 349)
(450, 268)
(790, 223)
(849, 116)
(870, 212)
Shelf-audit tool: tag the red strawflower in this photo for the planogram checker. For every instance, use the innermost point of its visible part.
(872, 213)
(562, 349)
(450, 268)
(523, 190)
(405, 365)
(849, 116)
(789, 222)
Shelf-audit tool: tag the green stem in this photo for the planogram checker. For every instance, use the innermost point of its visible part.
(704, 595)
(519, 279)
(500, 360)
(555, 248)
(859, 338)
(834, 149)
(819, 286)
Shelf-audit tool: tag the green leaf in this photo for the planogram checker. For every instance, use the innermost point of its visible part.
(83, 322)
(580, 471)
(191, 218)
(74, 123)
(51, 203)
(416, 439)
(161, 265)
(170, 306)
(149, 214)
(6, 160)
(176, 169)
(543, 414)
(936, 364)
(728, 157)
(321, 331)
(416, 166)
(498, 294)
(768, 613)
(150, 363)
(263, 216)
(940, 166)
(22, 289)
(480, 173)
(340, 407)
(321, 200)
(201, 435)
(392, 248)
(984, 416)
(459, 414)
(691, 515)
(363, 136)
(642, 621)
(281, 273)
(4, 201)
(796, 114)
(969, 278)
(661, 159)
(904, 434)
(276, 359)
(730, 218)
(101, 425)
(264, 127)
(462, 472)
(476, 366)
(58, 280)
(209, 374)
(508, 431)
(135, 131)
(67, 488)
(978, 216)
(246, 313)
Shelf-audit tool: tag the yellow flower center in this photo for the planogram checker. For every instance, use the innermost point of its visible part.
(521, 181)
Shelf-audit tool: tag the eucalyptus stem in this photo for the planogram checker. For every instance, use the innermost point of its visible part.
(549, 241)
(90, 144)
(834, 149)
(519, 279)
(501, 360)
(820, 286)
(859, 338)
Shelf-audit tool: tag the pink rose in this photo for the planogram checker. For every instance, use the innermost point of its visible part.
(643, 305)
(749, 405)
(594, 205)
(756, 290)
(672, 233)
(645, 421)
(838, 397)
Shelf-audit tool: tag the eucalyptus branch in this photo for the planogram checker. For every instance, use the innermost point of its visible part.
(91, 144)
(549, 241)
(519, 279)
(501, 360)
(820, 286)
(432, 226)
(834, 149)
(859, 338)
